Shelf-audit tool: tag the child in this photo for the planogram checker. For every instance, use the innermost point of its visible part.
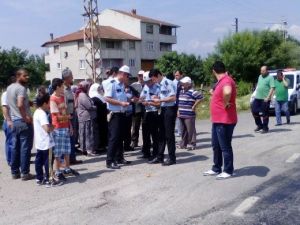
(43, 141)
(62, 130)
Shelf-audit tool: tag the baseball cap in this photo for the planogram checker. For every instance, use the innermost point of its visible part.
(186, 80)
(146, 76)
(125, 69)
(141, 72)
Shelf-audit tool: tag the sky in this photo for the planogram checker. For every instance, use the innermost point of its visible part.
(27, 24)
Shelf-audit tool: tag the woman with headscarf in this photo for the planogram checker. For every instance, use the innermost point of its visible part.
(86, 112)
(96, 94)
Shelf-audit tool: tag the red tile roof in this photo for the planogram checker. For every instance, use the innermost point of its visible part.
(146, 19)
(106, 32)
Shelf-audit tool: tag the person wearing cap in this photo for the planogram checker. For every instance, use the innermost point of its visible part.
(67, 78)
(167, 100)
(138, 111)
(187, 103)
(150, 91)
(117, 103)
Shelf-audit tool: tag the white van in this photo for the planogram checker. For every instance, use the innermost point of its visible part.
(294, 90)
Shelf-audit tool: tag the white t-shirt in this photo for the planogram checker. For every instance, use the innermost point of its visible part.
(4, 99)
(42, 139)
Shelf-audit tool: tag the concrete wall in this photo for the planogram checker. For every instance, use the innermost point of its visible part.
(121, 22)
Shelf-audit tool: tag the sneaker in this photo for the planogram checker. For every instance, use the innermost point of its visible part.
(190, 147)
(39, 182)
(278, 124)
(223, 176)
(258, 129)
(53, 183)
(60, 177)
(27, 176)
(210, 173)
(264, 131)
(70, 172)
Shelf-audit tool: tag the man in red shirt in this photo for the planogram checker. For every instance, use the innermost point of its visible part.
(224, 119)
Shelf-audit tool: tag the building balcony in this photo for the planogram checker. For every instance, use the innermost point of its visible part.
(172, 39)
(112, 53)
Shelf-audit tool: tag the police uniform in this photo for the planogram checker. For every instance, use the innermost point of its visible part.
(115, 90)
(167, 121)
(150, 122)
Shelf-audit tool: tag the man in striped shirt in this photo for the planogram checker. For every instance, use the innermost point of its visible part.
(188, 101)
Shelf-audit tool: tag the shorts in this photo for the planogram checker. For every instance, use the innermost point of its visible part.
(62, 142)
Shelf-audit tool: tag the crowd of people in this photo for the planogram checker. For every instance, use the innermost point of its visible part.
(107, 116)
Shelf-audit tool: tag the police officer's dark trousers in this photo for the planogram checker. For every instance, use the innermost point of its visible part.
(150, 130)
(166, 132)
(115, 136)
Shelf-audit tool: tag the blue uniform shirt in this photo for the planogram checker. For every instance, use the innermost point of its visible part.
(115, 89)
(147, 94)
(167, 89)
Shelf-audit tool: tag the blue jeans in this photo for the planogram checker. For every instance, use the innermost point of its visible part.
(221, 144)
(22, 141)
(8, 142)
(282, 106)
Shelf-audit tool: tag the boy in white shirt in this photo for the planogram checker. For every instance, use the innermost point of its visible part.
(43, 141)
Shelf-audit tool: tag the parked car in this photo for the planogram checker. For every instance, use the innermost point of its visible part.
(293, 90)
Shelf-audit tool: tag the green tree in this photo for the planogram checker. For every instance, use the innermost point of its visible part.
(190, 65)
(15, 58)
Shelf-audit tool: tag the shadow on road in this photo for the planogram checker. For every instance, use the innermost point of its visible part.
(203, 140)
(243, 136)
(87, 176)
(259, 171)
(192, 159)
(279, 130)
(200, 133)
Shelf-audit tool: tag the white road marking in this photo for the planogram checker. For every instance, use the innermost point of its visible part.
(293, 158)
(245, 206)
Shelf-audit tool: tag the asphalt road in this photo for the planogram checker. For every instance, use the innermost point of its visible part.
(265, 189)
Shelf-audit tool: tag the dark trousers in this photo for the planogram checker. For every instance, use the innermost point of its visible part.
(41, 161)
(127, 133)
(221, 144)
(150, 131)
(115, 137)
(136, 123)
(188, 133)
(166, 132)
(8, 141)
(260, 106)
(22, 141)
(74, 137)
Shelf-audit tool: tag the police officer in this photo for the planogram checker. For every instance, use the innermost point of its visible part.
(167, 99)
(117, 103)
(150, 119)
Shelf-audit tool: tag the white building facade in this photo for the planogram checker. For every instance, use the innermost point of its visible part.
(126, 38)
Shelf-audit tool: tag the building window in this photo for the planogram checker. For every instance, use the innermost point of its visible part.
(56, 48)
(149, 28)
(82, 64)
(165, 47)
(166, 30)
(113, 44)
(131, 44)
(150, 46)
(131, 62)
(59, 66)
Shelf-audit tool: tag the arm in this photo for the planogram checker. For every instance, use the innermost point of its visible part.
(269, 97)
(112, 101)
(227, 90)
(285, 82)
(48, 128)
(5, 111)
(21, 107)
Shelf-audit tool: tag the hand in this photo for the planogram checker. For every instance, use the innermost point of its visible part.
(71, 131)
(124, 104)
(156, 100)
(227, 105)
(267, 99)
(193, 108)
(28, 119)
(10, 124)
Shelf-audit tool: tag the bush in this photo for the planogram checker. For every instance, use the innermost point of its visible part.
(243, 88)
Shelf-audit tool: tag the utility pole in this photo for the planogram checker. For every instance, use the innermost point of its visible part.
(236, 25)
(284, 30)
(92, 41)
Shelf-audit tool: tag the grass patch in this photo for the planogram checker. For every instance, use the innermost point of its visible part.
(203, 111)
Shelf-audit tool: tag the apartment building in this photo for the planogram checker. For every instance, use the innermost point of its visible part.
(126, 38)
